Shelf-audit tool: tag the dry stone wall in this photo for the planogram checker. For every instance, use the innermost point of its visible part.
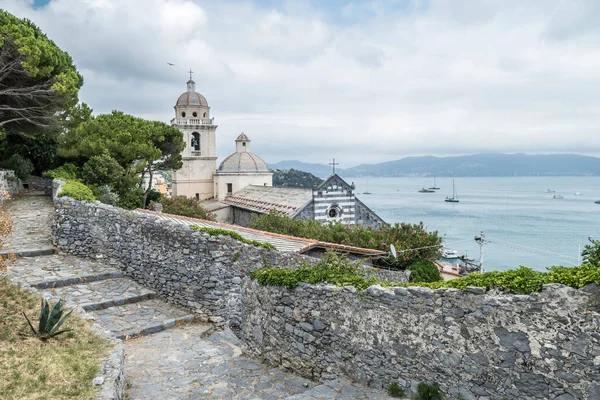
(201, 272)
(475, 345)
(8, 184)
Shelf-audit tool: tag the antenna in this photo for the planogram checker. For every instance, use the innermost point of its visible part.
(481, 240)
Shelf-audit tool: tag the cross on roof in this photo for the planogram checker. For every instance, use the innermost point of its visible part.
(191, 72)
(334, 164)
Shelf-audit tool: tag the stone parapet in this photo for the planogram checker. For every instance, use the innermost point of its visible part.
(193, 269)
(476, 346)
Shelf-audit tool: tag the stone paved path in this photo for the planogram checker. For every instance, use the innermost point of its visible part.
(32, 219)
(165, 357)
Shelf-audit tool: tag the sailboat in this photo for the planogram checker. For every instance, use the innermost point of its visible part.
(367, 192)
(434, 187)
(452, 199)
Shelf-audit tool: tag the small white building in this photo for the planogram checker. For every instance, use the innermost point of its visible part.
(241, 169)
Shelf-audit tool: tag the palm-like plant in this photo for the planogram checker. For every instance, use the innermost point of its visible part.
(50, 320)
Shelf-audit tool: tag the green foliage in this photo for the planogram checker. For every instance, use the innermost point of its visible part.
(236, 256)
(40, 149)
(77, 191)
(154, 196)
(106, 195)
(50, 320)
(402, 236)
(295, 178)
(44, 75)
(188, 207)
(234, 235)
(424, 271)
(102, 170)
(395, 391)
(334, 268)
(20, 165)
(429, 392)
(591, 252)
(139, 147)
(66, 172)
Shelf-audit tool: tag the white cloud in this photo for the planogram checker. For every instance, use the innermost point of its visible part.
(369, 82)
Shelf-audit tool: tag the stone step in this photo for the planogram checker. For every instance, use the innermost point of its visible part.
(34, 252)
(140, 319)
(101, 294)
(56, 271)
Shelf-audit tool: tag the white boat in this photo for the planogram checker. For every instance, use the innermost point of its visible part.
(577, 193)
(449, 254)
(454, 198)
(558, 196)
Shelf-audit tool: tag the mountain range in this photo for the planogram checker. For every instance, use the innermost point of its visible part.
(479, 165)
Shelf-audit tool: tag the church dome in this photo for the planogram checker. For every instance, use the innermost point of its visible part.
(191, 97)
(243, 162)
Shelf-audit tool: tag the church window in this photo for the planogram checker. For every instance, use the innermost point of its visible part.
(195, 143)
(183, 114)
(195, 114)
(204, 115)
(197, 196)
(244, 144)
(332, 213)
(229, 188)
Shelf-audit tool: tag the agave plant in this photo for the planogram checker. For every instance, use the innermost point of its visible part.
(50, 321)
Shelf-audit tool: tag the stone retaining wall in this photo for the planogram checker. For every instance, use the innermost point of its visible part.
(475, 345)
(201, 272)
(8, 183)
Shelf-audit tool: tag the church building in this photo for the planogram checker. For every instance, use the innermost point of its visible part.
(243, 184)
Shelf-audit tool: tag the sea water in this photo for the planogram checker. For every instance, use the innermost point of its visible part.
(523, 224)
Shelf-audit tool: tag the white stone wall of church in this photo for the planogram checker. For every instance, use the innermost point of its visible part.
(239, 181)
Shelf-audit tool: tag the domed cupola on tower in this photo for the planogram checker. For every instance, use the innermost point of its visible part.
(192, 104)
(192, 117)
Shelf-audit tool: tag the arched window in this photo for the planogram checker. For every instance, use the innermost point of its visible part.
(195, 144)
(183, 114)
(204, 116)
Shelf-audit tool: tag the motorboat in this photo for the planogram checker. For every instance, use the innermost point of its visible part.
(426, 191)
(577, 193)
(450, 254)
(597, 202)
(558, 196)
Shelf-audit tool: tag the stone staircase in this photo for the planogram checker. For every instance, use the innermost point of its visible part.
(120, 305)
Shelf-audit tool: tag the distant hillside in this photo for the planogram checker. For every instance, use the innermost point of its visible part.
(320, 170)
(295, 178)
(474, 165)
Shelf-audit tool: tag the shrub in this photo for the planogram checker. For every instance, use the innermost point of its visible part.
(424, 271)
(234, 235)
(77, 191)
(591, 252)
(107, 196)
(395, 391)
(102, 170)
(66, 172)
(402, 236)
(429, 392)
(334, 268)
(188, 207)
(50, 321)
(20, 165)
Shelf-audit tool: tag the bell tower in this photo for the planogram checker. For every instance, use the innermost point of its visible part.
(192, 117)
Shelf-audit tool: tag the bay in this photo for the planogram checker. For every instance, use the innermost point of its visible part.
(523, 224)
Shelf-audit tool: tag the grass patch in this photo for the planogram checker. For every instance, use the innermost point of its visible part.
(337, 270)
(234, 235)
(59, 368)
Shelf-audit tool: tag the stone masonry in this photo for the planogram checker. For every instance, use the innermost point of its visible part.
(475, 345)
(193, 269)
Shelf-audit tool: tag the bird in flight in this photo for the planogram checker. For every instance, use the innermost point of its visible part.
(171, 64)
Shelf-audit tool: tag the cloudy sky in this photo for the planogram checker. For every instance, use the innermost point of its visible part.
(362, 81)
